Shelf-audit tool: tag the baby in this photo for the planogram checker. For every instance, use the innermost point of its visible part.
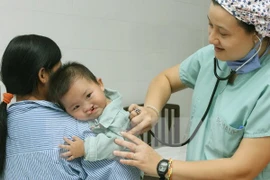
(76, 89)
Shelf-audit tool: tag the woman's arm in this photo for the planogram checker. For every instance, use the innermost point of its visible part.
(159, 91)
(162, 86)
(248, 161)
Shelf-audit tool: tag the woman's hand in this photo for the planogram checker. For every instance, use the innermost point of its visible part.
(141, 155)
(75, 148)
(142, 119)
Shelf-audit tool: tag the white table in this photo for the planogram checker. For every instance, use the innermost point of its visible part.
(178, 153)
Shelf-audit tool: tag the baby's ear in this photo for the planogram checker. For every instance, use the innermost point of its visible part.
(100, 83)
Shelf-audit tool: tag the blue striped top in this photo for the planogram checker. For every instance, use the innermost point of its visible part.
(35, 129)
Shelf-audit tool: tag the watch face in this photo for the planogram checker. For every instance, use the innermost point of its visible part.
(163, 166)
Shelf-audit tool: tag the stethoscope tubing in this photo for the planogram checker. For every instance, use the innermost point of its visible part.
(205, 113)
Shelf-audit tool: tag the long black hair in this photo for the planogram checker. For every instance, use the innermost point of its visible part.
(24, 56)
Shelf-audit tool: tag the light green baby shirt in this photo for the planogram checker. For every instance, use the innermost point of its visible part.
(108, 126)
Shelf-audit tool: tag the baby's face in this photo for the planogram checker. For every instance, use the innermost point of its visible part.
(85, 99)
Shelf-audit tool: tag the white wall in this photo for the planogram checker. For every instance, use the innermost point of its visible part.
(125, 42)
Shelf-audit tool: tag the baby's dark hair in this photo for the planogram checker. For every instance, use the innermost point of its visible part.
(61, 81)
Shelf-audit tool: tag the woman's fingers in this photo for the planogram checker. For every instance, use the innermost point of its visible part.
(126, 144)
(136, 130)
(140, 126)
(127, 158)
(124, 154)
(141, 118)
(132, 138)
(140, 155)
(132, 107)
(134, 111)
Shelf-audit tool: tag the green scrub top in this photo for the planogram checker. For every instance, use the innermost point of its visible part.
(239, 110)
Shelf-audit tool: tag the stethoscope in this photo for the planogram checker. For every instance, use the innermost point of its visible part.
(219, 78)
(206, 111)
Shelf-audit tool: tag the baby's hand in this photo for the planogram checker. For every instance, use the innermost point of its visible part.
(75, 148)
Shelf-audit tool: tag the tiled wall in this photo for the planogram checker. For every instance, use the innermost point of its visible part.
(125, 42)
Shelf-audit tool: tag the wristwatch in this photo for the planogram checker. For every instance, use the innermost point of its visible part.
(162, 168)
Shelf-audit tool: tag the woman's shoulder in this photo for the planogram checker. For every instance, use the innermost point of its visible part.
(201, 58)
(34, 106)
(48, 104)
(202, 55)
(208, 48)
(206, 52)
